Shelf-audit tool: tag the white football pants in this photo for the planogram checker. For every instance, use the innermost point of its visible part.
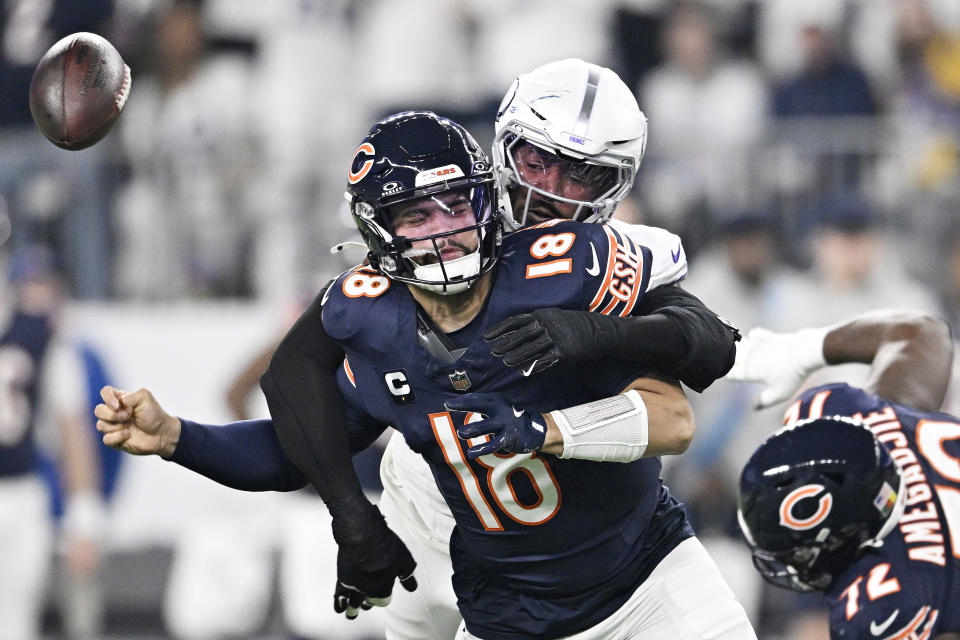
(430, 612)
(685, 598)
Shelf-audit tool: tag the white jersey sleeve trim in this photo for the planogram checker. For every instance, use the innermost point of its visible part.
(669, 259)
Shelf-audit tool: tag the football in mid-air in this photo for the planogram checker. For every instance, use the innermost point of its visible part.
(78, 90)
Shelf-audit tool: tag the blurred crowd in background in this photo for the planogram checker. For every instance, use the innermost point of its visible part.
(806, 152)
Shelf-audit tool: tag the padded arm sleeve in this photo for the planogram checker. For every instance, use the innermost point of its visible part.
(243, 455)
(679, 336)
(301, 391)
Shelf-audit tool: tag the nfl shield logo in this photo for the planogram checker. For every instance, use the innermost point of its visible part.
(459, 380)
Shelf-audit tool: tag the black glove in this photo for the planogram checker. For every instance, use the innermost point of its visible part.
(541, 338)
(510, 431)
(369, 559)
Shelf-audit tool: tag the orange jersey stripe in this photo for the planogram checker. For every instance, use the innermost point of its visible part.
(608, 274)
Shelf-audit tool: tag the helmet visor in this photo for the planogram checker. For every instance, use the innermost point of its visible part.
(546, 185)
(574, 180)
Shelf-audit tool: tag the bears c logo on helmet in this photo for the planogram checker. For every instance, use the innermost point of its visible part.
(367, 149)
(787, 517)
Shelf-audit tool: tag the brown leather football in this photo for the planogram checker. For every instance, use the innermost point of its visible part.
(78, 90)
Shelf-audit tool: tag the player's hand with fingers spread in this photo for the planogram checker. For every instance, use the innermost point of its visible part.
(781, 361)
(136, 423)
(509, 430)
(537, 340)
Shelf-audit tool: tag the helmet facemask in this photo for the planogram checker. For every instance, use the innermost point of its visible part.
(792, 569)
(538, 182)
(815, 565)
(407, 246)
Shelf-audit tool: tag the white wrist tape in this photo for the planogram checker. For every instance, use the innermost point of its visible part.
(84, 515)
(608, 430)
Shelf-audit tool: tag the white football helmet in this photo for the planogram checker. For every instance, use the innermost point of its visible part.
(569, 136)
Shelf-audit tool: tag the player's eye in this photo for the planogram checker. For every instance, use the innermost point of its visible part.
(460, 207)
(409, 218)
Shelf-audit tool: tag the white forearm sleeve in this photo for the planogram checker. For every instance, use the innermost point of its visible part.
(608, 430)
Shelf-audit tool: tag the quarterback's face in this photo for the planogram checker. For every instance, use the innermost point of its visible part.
(558, 176)
(418, 220)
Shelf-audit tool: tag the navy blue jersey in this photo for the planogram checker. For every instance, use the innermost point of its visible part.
(543, 547)
(22, 346)
(909, 588)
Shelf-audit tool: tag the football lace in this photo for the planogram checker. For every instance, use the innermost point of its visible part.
(121, 97)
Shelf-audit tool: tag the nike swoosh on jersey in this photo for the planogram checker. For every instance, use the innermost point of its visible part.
(877, 629)
(676, 254)
(527, 372)
(515, 412)
(595, 269)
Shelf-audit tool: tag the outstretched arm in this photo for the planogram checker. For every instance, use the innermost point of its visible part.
(709, 341)
(673, 332)
(308, 416)
(242, 455)
(909, 353)
(301, 391)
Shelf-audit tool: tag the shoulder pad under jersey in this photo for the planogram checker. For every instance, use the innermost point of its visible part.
(562, 263)
(669, 259)
(358, 299)
(835, 398)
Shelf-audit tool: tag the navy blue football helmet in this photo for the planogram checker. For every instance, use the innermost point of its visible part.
(419, 157)
(813, 497)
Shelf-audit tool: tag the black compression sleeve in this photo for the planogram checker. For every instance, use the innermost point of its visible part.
(242, 455)
(301, 391)
(678, 335)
